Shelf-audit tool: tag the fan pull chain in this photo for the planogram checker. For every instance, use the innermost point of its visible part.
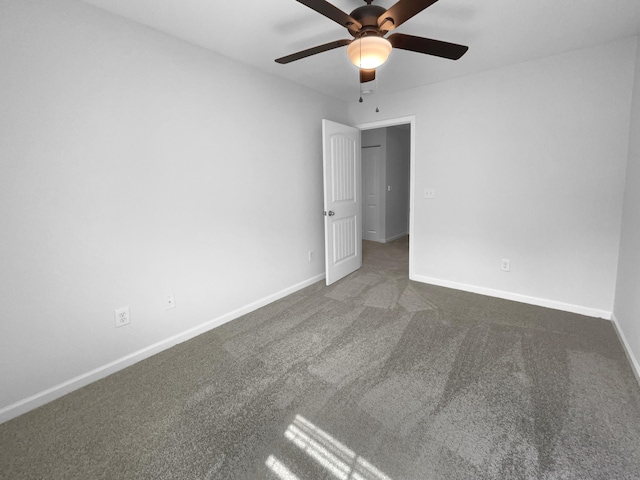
(359, 71)
(377, 94)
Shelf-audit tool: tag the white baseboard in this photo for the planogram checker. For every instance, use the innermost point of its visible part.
(57, 391)
(387, 240)
(635, 366)
(395, 237)
(516, 297)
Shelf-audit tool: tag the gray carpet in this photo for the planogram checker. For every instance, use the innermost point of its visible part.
(373, 378)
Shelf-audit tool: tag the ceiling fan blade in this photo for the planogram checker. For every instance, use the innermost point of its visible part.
(367, 75)
(334, 13)
(312, 51)
(401, 12)
(452, 51)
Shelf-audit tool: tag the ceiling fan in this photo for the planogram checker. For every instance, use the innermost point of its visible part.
(368, 25)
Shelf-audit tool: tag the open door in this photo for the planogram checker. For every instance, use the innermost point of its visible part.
(342, 203)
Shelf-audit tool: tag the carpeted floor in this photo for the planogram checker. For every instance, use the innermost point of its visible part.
(372, 378)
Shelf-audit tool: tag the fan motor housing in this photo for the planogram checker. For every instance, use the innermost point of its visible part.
(368, 15)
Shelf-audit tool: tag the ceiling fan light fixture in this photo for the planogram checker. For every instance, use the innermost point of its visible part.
(369, 51)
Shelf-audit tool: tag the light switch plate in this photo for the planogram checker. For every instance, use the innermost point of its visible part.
(171, 302)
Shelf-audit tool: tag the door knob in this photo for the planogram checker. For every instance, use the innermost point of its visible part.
(331, 214)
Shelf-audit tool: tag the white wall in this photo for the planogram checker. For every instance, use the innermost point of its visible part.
(136, 166)
(627, 302)
(528, 163)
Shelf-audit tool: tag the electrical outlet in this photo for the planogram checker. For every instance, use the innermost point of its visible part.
(171, 302)
(312, 255)
(505, 266)
(123, 317)
(429, 193)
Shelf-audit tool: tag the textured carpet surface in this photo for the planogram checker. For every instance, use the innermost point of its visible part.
(373, 378)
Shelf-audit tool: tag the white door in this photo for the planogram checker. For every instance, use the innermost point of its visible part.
(371, 194)
(342, 204)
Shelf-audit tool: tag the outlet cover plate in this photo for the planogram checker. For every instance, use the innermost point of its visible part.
(123, 317)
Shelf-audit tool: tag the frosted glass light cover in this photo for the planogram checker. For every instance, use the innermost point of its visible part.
(369, 52)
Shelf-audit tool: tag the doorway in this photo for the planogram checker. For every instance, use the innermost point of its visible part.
(385, 183)
(388, 214)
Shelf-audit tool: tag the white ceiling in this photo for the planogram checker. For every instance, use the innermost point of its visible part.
(498, 33)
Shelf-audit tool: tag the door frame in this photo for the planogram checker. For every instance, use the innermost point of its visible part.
(391, 122)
